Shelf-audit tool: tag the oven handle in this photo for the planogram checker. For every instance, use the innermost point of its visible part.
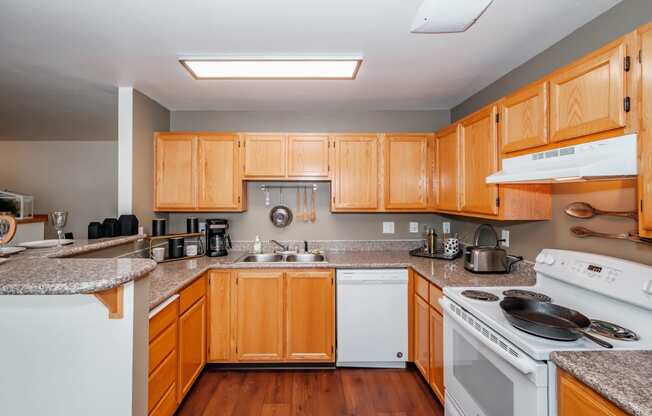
(521, 365)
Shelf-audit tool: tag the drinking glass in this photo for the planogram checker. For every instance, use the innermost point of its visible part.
(58, 220)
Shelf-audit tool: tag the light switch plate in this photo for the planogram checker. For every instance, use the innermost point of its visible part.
(504, 235)
(446, 227)
(388, 227)
(414, 227)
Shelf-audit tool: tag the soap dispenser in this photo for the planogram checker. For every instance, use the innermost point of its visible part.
(258, 246)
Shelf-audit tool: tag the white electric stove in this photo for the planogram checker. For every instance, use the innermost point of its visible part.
(495, 369)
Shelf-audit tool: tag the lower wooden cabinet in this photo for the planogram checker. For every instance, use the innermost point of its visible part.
(576, 399)
(192, 345)
(163, 361)
(421, 336)
(309, 303)
(271, 316)
(437, 353)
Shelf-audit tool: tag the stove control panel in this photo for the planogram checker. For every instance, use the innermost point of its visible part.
(595, 271)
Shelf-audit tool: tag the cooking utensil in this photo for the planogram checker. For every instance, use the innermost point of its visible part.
(488, 259)
(305, 205)
(298, 207)
(548, 320)
(281, 216)
(585, 211)
(583, 232)
(313, 214)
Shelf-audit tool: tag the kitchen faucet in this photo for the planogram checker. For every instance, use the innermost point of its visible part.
(284, 247)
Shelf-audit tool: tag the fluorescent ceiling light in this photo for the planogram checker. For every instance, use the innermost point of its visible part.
(448, 16)
(273, 68)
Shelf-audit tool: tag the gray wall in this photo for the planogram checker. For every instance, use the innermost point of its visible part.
(75, 176)
(529, 238)
(310, 121)
(148, 117)
(615, 22)
(245, 226)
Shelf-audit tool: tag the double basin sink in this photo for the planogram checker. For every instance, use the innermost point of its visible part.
(280, 258)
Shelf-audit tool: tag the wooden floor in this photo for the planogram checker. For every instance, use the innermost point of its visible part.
(351, 392)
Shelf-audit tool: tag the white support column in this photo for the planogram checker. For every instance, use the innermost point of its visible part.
(125, 149)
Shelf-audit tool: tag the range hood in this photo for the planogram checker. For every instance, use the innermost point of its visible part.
(600, 160)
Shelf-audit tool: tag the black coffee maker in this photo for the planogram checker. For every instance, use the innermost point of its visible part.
(217, 237)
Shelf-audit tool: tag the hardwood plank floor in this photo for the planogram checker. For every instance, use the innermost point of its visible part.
(341, 392)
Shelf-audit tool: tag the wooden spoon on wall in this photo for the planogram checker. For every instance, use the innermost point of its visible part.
(313, 214)
(585, 211)
(306, 217)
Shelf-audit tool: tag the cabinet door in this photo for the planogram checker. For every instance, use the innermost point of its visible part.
(220, 187)
(645, 136)
(524, 118)
(220, 316)
(308, 156)
(175, 164)
(448, 165)
(479, 147)
(192, 345)
(587, 96)
(264, 156)
(437, 353)
(421, 336)
(355, 180)
(310, 316)
(259, 320)
(406, 172)
(576, 399)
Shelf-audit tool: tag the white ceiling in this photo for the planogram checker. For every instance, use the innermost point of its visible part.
(72, 54)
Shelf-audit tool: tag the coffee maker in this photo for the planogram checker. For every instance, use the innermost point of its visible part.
(217, 237)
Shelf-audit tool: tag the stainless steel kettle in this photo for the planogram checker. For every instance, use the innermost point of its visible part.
(488, 259)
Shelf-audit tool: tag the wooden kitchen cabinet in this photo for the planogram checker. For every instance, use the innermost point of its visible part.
(265, 156)
(175, 159)
(192, 334)
(574, 398)
(221, 313)
(308, 156)
(436, 379)
(421, 336)
(478, 152)
(645, 134)
(355, 175)
(524, 118)
(260, 315)
(587, 97)
(406, 171)
(219, 182)
(448, 166)
(163, 361)
(310, 316)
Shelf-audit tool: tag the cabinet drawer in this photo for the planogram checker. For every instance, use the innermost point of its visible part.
(161, 380)
(167, 405)
(435, 294)
(421, 286)
(162, 346)
(192, 294)
(163, 319)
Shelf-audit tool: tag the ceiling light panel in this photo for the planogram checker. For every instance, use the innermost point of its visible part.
(285, 69)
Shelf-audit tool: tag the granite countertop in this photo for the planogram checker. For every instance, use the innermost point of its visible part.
(49, 272)
(622, 377)
(169, 278)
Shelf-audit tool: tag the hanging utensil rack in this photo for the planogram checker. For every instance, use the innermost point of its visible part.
(313, 186)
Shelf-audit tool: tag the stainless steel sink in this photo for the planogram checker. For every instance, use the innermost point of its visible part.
(262, 258)
(305, 258)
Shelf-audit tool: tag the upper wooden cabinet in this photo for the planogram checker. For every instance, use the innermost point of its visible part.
(264, 155)
(175, 158)
(448, 166)
(587, 97)
(406, 171)
(310, 330)
(308, 156)
(197, 172)
(524, 118)
(645, 135)
(478, 148)
(220, 186)
(355, 173)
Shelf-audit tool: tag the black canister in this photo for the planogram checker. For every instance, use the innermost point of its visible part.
(175, 247)
(192, 225)
(110, 227)
(94, 230)
(159, 227)
(128, 224)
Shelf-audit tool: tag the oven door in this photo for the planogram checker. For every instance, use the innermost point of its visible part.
(485, 374)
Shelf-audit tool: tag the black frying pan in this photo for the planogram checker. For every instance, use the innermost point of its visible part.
(548, 320)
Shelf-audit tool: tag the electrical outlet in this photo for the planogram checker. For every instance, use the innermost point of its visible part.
(202, 227)
(504, 235)
(446, 227)
(388, 227)
(414, 227)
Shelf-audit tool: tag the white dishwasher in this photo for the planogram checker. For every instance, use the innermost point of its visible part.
(372, 318)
